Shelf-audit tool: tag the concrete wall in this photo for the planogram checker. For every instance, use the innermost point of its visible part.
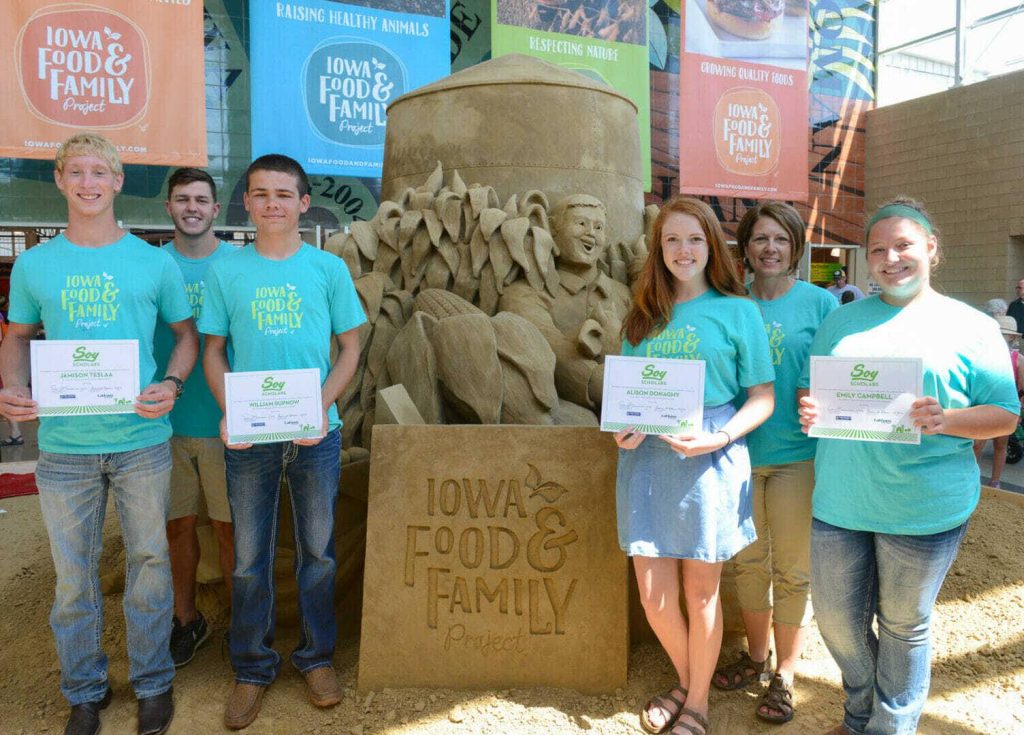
(962, 153)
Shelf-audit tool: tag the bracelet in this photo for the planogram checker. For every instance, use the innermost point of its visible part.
(728, 439)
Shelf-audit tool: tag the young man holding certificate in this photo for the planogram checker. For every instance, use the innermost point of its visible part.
(99, 291)
(282, 303)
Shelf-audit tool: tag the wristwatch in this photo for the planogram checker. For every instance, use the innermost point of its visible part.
(178, 384)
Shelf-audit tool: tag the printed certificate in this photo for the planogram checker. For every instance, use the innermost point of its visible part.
(84, 377)
(866, 399)
(273, 406)
(653, 395)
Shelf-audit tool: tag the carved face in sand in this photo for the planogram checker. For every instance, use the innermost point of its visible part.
(577, 224)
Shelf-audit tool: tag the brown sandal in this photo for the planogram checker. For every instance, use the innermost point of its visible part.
(662, 702)
(779, 697)
(740, 673)
(701, 726)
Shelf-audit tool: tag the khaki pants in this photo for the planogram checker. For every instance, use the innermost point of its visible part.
(773, 573)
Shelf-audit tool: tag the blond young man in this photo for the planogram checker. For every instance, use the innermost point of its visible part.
(82, 459)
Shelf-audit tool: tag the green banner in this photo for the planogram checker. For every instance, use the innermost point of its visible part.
(608, 47)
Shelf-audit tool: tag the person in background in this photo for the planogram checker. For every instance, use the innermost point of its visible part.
(83, 459)
(14, 438)
(773, 574)
(840, 287)
(995, 307)
(684, 501)
(889, 518)
(196, 449)
(1008, 328)
(1016, 307)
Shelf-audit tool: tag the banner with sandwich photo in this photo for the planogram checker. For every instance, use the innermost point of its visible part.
(743, 98)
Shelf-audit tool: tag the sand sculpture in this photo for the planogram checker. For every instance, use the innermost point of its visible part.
(486, 312)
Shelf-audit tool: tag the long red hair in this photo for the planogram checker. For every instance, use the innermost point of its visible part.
(654, 293)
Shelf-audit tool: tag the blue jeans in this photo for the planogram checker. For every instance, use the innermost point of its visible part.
(73, 494)
(254, 492)
(858, 576)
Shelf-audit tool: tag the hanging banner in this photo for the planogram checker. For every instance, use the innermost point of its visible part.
(743, 99)
(324, 72)
(604, 41)
(116, 67)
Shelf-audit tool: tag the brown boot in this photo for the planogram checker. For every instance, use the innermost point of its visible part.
(243, 705)
(323, 687)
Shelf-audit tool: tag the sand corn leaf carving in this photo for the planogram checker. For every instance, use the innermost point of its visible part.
(462, 241)
(550, 491)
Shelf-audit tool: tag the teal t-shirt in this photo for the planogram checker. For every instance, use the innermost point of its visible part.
(903, 488)
(726, 332)
(112, 292)
(790, 322)
(281, 314)
(196, 413)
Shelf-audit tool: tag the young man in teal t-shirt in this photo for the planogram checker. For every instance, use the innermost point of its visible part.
(282, 303)
(97, 282)
(196, 449)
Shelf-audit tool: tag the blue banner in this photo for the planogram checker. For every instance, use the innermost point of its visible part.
(323, 74)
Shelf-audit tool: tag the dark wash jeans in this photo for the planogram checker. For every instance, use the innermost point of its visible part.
(254, 490)
(858, 576)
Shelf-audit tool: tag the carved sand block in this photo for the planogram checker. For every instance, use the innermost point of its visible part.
(492, 560)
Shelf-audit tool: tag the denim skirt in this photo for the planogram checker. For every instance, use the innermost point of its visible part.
(685, 507)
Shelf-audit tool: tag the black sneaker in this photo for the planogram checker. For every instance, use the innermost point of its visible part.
(186, 639)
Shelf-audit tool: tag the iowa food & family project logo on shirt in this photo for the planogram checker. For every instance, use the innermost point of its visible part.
(277, 309)
(681, 342)
(776, 335)
(90, 301)
(194, 291)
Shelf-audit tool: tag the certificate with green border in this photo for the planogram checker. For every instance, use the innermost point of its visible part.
(652, 396)
(84, 377)
(866, 398)
(266, 406)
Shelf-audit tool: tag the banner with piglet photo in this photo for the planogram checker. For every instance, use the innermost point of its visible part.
(323, 74)
(132, 71)
(743, 99)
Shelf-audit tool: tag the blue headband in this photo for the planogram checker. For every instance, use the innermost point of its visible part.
(898, 210)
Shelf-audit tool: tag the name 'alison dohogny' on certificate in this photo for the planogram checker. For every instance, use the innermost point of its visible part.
(266, 406)
(866, 399)
(652, 396)
(84, 377)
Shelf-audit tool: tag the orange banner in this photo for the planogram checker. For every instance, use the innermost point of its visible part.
(132, 70)
(743, 99)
